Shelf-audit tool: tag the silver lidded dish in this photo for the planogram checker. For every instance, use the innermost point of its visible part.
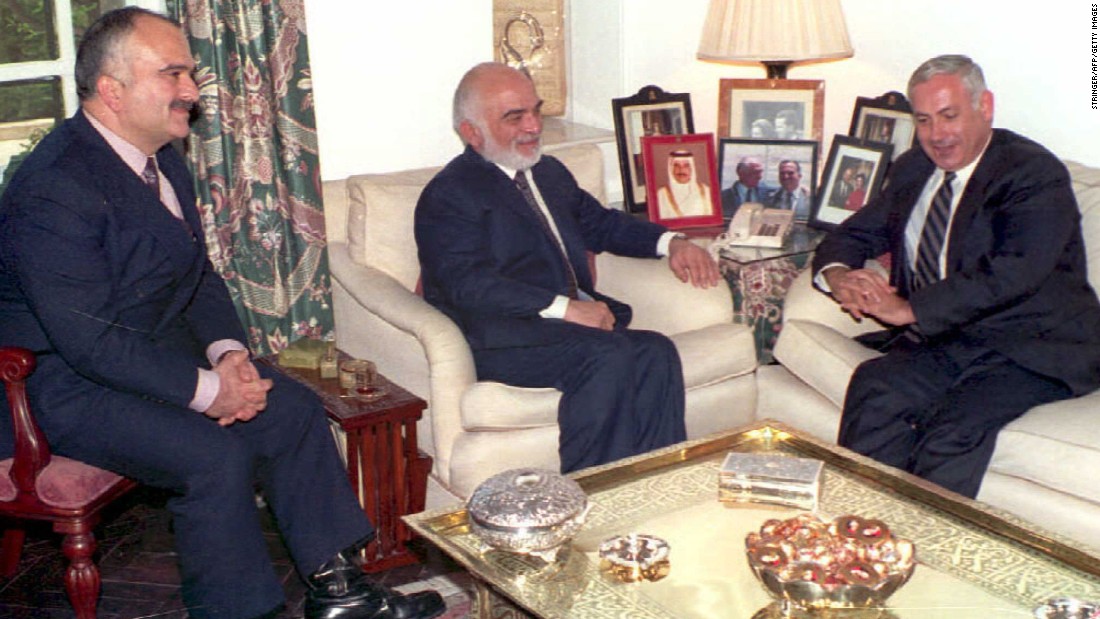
(527, 511)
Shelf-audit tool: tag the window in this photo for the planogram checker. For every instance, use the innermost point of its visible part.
(37, 52)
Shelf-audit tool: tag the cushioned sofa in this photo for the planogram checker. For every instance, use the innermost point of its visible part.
(1046, 467)
(475, 429)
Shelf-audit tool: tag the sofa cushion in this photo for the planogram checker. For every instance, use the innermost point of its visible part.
(697, 353)
(1054, 445)
(1086, 188)
(821, 357)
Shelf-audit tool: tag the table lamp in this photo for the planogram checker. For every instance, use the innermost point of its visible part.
(776, 33)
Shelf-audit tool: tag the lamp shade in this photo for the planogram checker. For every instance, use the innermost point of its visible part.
(774, 30)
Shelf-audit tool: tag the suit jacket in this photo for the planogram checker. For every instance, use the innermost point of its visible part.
(800, 202)
(489, 265)
(1016, 277)
(101, 280)
(736, 194)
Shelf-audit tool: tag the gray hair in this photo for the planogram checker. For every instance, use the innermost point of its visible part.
(951, 64)
(466, 105)
(101, 44)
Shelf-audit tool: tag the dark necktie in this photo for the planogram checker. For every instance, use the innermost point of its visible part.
(149, 175)
(932, 236)
(529, 197)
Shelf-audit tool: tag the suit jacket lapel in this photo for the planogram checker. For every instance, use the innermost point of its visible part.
(139, 206)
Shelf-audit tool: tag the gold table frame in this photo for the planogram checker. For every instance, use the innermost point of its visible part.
(973, 560)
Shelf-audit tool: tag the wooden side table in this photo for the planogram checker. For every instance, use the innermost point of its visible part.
(386, 469)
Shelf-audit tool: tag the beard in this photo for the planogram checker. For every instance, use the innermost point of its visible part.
(509, 156)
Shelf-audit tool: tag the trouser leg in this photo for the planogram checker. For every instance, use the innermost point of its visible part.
(303, 478)
(225, 567)
(935, 410)
(886, 400)
(958, 442)
(622, 390)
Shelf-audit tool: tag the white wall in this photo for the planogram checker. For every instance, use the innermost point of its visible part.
(383, 79)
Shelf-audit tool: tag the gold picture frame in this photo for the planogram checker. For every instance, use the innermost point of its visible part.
(529, 35)
(744, 102)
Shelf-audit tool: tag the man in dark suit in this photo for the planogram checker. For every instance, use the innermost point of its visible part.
(502, 234)
(749, 187)
(990, 308)
(791, 195)
(142, 368)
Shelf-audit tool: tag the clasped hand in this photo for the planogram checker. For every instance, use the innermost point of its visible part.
(242, 393)
(863, 292)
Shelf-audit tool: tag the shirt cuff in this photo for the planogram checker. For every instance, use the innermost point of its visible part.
(557, 308)
(206, 390)
(665, 240)
(819, 277)
(215, 350)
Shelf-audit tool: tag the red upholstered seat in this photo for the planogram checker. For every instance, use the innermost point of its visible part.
(36, 485)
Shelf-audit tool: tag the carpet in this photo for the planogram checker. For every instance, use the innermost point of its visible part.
(456, 588)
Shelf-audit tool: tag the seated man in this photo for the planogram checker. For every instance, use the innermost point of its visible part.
(502, 233)
(749, 187)
(142, 369)
(988, 300)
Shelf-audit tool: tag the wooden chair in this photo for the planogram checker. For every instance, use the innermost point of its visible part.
(35, 485)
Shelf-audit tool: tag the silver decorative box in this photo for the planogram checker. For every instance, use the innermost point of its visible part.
(769, 478)
(527, 511)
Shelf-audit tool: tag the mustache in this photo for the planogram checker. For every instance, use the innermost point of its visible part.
(193, 109)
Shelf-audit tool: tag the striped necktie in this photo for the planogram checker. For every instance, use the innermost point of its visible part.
(529, 196)
(933, 235)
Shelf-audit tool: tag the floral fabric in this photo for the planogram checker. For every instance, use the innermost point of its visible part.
(253, 150)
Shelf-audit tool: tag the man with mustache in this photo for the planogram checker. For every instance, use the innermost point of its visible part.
(142, 367)
(502, 233)
(988, 306)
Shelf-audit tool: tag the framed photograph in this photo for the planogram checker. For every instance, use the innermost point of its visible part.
(888, 119)
(771, 109)
(681, 184)
(775, 173)
(853, 175)
(651, 111)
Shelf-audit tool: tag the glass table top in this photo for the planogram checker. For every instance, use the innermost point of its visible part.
(801, 240)
(972, 561)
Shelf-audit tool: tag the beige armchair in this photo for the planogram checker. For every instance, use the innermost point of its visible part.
(473, 428)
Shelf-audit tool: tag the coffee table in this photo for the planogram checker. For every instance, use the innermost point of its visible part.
(973, 561)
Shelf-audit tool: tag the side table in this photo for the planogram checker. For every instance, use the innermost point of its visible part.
(378, 441)
(759, 278)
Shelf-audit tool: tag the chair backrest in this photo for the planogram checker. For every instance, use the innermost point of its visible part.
(1086, 188)
(379, 221)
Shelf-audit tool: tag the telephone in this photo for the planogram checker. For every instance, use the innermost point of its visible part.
(757, 226)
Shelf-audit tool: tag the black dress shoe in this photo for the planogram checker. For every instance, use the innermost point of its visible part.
(340, 590)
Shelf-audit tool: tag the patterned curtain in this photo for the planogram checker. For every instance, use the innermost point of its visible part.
(253, 150)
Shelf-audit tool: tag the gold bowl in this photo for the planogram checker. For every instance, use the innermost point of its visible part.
(850, 562)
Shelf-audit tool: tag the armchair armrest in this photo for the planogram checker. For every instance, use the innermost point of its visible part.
(32, 452)
(409, 340)
(660, 301)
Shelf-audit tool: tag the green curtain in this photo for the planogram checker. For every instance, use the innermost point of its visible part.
(253, 151)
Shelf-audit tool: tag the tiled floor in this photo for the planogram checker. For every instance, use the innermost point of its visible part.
(141, 580)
